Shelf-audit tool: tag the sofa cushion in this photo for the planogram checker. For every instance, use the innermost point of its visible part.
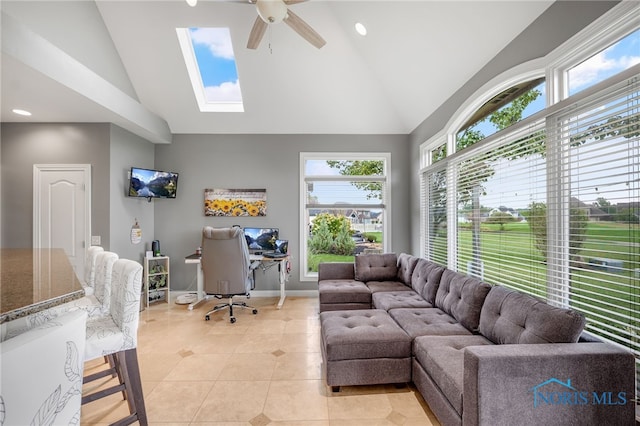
(426, 279)
(509, 316)
(462, 296)
(336, 271)
(343, 291)
(406, 265)
(427, 322)
(376, 267)
(384, 286)
(362, 335)
(442, 357)
(398, 299)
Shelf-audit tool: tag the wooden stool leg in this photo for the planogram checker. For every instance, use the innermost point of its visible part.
(128, 371)
(128, 361)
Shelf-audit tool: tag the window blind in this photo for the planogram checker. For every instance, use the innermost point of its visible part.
(597, 215)
(499, 188)
(435, 182)
(551, 206)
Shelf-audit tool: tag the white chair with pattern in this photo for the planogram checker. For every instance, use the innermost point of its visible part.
(41, 373)
(116, 335)
(90, 269)
(95, 305)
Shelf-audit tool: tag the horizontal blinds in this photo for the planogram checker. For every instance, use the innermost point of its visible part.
(599, 170)
(498, 189)
(436, 186)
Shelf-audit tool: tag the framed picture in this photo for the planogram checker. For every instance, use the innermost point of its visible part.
(235, 202)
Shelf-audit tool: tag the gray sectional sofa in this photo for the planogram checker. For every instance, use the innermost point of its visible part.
(478, 354)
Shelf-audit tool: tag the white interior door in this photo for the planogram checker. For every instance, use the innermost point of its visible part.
(62, 209)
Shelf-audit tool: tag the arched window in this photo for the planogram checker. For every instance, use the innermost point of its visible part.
(501, 111)
(547, 199)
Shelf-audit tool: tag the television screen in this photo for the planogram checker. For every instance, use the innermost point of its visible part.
(150, 183)
(261, 239)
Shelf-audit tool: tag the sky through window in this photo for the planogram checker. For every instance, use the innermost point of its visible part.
(211, 64)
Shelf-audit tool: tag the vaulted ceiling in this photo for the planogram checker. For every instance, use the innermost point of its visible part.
(119, 61)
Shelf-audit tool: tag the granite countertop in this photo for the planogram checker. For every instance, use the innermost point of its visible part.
(32, 280)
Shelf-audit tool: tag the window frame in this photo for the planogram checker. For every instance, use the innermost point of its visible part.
(385, 204)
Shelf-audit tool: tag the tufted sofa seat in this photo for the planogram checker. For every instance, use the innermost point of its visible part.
(479, 354)
(364, 347)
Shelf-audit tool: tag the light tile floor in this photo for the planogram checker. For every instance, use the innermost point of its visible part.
(263, 370)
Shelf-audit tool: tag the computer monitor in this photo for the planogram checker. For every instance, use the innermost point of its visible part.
(282, 246)
(261, 239)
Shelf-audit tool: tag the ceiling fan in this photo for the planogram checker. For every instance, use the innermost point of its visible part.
(275, 11)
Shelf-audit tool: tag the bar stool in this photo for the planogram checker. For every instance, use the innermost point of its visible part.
(90, 269)
(96, 304)
(116, 335)
(41, 373)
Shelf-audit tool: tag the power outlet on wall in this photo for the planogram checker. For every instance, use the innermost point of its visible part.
(95, 240)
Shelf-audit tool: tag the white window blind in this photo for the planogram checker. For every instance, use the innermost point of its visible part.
(595, 248)
(498, 187)
(435, 187)
(551, 207)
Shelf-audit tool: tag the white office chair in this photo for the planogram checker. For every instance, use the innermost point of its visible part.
(226, 267)
(41, 379)
(90, 269)
(116, 335)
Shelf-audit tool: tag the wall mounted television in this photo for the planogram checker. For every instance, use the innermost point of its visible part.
(150, 183)
(261, 239)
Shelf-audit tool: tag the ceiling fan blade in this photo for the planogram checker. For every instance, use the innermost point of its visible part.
(302, 28)
(256, 34)
(290, 2)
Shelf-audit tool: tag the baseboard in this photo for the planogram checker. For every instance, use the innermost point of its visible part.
(290, 293)
(260, 293)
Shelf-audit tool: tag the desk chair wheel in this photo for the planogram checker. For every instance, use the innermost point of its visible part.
(255, 311)
(207, 317)
(232, 320)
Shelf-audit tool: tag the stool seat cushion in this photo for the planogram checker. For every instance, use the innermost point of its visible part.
(363, 334)
(103, 338)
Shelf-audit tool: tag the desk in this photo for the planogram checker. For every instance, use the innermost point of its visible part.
(266, 262)
(32, 280)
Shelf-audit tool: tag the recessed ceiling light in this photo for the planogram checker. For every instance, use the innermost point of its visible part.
(361, 29)
(21, 112)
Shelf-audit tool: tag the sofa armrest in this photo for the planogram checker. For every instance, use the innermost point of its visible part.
(551, 384)
(336, 271)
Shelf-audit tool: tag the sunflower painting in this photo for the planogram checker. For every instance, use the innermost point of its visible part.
(235, 202)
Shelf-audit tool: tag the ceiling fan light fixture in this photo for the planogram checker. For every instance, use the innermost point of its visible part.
(192, 3)
(361, 29)
(271, 11)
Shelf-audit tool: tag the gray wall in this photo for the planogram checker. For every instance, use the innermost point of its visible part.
(259, 161)
(24, 145)
(203, 161)
(129, 150)
(109, 149)
(560, 22)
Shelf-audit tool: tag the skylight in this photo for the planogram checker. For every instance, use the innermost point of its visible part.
(208, 55)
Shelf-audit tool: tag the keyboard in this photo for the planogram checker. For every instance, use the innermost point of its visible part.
(274, 255)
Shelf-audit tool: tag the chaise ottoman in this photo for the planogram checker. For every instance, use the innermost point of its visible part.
(364, 347)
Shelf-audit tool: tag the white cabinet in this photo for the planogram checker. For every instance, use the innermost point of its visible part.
(156, 279)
